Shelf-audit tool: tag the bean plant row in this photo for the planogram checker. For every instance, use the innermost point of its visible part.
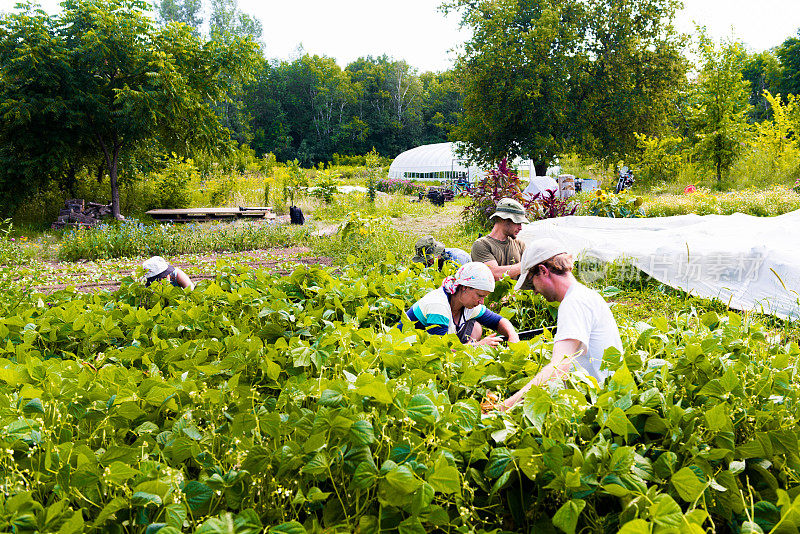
(293, 404)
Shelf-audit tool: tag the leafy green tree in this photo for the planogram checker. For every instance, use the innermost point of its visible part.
(121, 83)
(36, 137)
(441, 105)
(542, 76)
(789, 54)
(763, 71)
(185, 11)
(721, 105)
(228, 22)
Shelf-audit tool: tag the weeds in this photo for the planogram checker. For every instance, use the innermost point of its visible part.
(132, 238)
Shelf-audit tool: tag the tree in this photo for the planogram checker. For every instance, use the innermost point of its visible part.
(721, 105)
(542, 76)
(183, 11)
(121, 82)
(789, 54)
(36, 133)
(763, 71)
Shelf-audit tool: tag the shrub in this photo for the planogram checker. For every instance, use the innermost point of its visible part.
(549, 205)
(603, 204)
(499, 183)
(172, 183)
(659, 159)
(765, 202)
(366, 240)
(11, 249)
(132, 238)
(396, 185)
(325, 187)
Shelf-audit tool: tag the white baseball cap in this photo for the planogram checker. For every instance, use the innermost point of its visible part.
(535, 253)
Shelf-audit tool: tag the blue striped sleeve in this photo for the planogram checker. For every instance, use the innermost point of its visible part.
(434, 324)
(488, 318)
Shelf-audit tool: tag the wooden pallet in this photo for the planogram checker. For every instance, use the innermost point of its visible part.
(211, 214)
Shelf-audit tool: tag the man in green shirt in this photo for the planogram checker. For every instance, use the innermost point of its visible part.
(500, 250)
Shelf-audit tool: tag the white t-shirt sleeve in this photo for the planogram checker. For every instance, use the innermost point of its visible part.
(575, 319)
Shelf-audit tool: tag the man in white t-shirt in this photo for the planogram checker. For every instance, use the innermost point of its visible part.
(585, 326)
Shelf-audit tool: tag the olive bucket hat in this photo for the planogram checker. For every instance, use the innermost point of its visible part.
(508, 208)
(427, 248)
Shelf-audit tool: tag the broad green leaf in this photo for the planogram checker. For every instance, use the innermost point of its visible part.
(636, 526)
(665, 512)
(403, 479)
(140, 498)
(33, 406)
(498, 460)
(292, 527)
(566, 517)
(175, 515)
(688, 485)
(378, 390)
(365, 476)
(119, 472)
(421, 409)
(198, 495)
(412, 525)
(618, 423)
(361, 433)
(108, 511)
(718, 418)
(445, 479)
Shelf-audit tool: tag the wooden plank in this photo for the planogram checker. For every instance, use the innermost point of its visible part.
(183, 215)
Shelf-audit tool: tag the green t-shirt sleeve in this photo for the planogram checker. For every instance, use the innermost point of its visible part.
(481, 252)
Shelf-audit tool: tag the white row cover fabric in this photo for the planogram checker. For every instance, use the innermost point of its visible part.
(749, 263)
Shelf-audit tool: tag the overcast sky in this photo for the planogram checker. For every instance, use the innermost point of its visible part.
(415, 30)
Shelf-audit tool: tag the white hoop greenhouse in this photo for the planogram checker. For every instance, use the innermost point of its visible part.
(437, 162)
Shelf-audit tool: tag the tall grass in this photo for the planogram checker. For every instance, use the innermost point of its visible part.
(776, 200)
(132, 238)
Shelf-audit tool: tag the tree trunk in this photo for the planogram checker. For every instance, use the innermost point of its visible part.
(719, 172)
(112, 159)
(70, 180)
(112, 173)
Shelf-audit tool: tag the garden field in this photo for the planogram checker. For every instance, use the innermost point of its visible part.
(279, 396)
(288, 403)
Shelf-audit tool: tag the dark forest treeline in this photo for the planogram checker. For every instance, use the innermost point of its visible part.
(310, 108)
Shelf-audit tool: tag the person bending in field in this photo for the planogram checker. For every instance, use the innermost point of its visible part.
(429, 251)
(585, 327)
(158, 269)
(500, 250)
(457, 308)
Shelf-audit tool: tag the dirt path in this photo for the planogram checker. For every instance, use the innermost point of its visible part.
(446, 216)
(90, 276)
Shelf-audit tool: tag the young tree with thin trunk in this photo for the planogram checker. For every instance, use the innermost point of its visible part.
(719, 114)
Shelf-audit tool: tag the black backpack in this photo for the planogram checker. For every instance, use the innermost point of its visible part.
(296, 215)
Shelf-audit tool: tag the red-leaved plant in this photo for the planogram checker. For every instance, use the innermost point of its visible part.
(549, 205)
(502, 182)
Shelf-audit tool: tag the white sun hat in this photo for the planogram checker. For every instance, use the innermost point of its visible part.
(155, 266)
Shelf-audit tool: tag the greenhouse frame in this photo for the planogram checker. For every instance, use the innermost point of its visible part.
(439, 161)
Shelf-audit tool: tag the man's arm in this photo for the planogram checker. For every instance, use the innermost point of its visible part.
(183, 279)
(499, 271)
(564, 353)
